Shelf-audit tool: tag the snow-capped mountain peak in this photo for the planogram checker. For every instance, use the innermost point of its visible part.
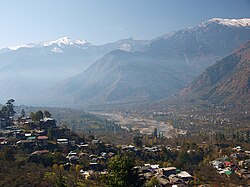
(64, 41)
(132, 43)
(244, 22)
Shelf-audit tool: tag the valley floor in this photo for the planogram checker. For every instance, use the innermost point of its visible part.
(145, 125)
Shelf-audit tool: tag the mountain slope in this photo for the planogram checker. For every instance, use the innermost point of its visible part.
(202, 45)
(227, 81)
(166, 66)
(120, 77)
(28, 69)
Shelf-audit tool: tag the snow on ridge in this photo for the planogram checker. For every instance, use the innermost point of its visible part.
(125, 47)
(57, 50)
(64, 41)
(244, 22)
(60, 42)
(29, 45)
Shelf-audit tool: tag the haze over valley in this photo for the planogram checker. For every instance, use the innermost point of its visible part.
(76, 73)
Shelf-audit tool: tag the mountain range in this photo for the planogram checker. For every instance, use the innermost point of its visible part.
(225, 82)
(68, 72)
(29, 69)
(167, 65)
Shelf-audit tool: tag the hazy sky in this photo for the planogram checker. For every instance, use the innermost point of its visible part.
(102, 21)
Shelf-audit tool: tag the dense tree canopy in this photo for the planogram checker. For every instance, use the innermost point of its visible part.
(137, 140)
(122, 172)
(8, 109)
(38, 116)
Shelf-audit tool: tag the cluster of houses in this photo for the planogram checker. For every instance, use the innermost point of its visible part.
(26, 133)
(96, 153)
(169, 176)
(235, 163)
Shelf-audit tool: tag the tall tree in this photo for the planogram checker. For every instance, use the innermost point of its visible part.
(137, 140)
(122, 172)
(23, 114)
(155, 132)
(38, 115)
(10, 107)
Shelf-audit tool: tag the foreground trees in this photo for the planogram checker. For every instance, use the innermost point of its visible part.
(8, 109)
(122, 172)
(37, 116)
